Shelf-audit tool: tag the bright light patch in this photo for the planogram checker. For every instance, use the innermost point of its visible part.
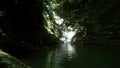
(70, 28)
(70, 48)
(71, 51)
(58, 20)
(62, 39)
(68, 35)
(54, 5)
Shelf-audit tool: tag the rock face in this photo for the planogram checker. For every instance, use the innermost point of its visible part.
(100, 18)
(8, 61)
(21, 23)
(22, 31)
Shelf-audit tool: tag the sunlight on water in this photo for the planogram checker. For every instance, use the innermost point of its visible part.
(56, 57)
(71, 51)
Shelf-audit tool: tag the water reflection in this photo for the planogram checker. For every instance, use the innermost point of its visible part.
(66, 52)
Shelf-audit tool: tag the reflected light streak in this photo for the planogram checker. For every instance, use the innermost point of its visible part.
(71, 51)
(56, 57)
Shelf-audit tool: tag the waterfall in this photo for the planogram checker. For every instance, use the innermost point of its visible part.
(66, 51)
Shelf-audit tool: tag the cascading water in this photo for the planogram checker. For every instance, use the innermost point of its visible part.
(66, 50)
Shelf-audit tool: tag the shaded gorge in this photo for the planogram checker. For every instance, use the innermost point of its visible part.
(59, 34)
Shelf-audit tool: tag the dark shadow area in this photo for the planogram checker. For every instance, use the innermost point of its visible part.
(31, 31)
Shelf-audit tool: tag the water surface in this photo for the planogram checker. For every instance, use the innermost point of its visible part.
(71, 56)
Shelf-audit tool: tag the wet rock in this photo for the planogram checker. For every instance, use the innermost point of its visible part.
(8, 61)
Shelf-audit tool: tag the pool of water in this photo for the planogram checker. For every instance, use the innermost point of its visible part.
(70, 56)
